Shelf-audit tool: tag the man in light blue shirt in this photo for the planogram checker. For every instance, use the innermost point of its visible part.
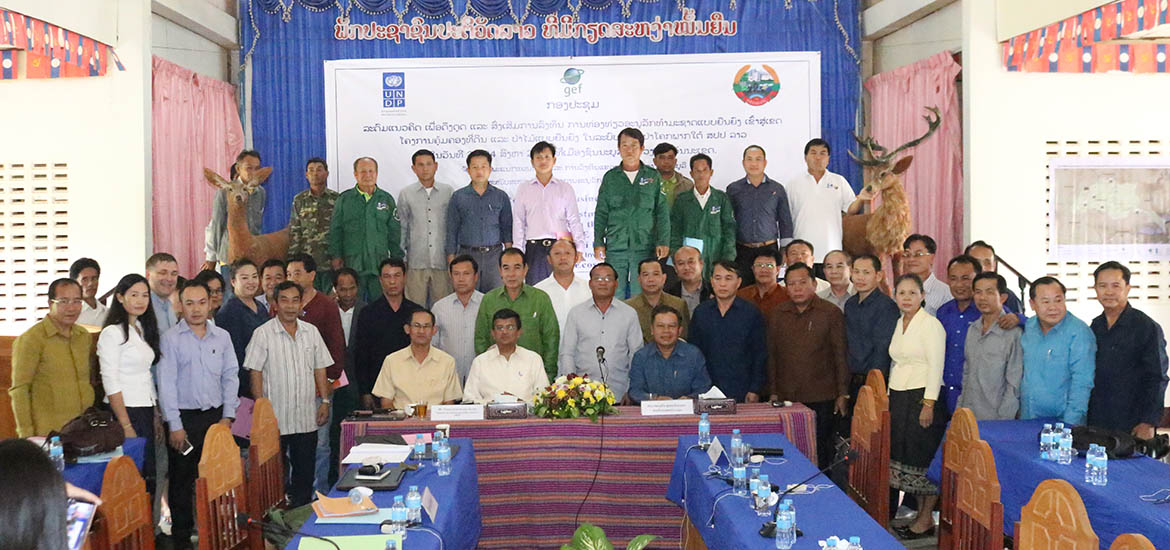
(601, 335)
(162, 274)
(667, 368)
(1059, 358)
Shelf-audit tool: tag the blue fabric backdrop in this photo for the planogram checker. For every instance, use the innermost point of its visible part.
(288, 113)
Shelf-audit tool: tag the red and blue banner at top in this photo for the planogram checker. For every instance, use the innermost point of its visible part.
(1089, 42)
(49, 51)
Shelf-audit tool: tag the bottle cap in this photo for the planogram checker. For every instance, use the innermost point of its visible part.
(763, 478)
(703, 416)
(414, 487)
(397, 498)
(735, 431)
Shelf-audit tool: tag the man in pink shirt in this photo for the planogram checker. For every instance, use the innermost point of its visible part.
(544, 210)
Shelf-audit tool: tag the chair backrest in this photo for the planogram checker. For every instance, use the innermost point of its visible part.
(978, 512)
(220, 494)
(962, 433)
(877, 382)
(1055, 519)
(265, 465)
(869, 474)
(123, 521)
(1131, 541)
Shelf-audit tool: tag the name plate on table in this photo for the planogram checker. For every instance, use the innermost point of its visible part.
(673, 407)
(448, 413)
(715, 406)
(507, 410)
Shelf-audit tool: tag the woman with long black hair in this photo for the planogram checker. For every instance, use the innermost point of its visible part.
(127, 349)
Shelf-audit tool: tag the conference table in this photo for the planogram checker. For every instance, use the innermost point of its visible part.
(89, 475)
(1114, 509)
(539, 478)
(458, 517)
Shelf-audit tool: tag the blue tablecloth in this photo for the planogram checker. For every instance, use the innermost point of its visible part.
(459, 521)
(1113, 509)
(89, 476)
(827, 512)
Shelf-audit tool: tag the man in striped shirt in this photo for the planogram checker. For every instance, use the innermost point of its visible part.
(287, 358)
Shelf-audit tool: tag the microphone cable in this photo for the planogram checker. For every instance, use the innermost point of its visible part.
(601, 439)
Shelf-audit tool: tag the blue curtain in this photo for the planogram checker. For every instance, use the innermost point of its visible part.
(288, 113)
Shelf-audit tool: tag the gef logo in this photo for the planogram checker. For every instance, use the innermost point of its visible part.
(393, 90)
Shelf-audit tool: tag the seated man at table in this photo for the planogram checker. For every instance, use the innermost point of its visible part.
(418, 373)
(1059, 358)
(601, 335)
(505, 368)
(667, 368)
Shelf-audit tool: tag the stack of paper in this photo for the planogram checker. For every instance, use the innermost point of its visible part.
(326, 507)
(368, 453)
(101, 457)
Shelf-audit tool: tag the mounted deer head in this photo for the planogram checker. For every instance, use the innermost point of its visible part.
(881, 160)
(237, 190)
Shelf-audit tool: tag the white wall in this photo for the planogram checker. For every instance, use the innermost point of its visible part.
(1007, 117)
(100, 126)
(939, 31)
(183, 47)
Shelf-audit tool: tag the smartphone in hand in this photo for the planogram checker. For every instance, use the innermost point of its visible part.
(187, 447)
(79, 516)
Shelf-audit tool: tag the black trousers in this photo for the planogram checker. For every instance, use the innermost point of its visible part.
(536, 252)
(745, 256)
(185, 469)
(300, 454)
(142, 420)
(825, 421)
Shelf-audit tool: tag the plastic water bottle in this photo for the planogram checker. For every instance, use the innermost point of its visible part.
(739, 476)
(420, 450)
(443, 459)
(398, 517)
(831, 543)
(414, 505)
(57, 453)
(854, 543)
(755, 474)
(791, 508)
(704, 430)
(438, 439)
(1046, 442)
(736, 447)
(391, 544)
(763, 493)
(785, 528)
(1065, 450)
(1096, 466)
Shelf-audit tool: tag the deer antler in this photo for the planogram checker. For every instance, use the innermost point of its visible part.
(878, 155)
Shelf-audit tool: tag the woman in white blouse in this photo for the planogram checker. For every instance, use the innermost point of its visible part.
(127, 348)
(917, 419)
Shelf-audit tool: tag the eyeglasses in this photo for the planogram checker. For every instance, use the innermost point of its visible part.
(217, 292)
(421, 325)
(919, 254)
(505, 328)
(604, 279)
(67, 301)
(766, 266)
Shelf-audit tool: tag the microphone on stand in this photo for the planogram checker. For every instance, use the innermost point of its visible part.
(768, 530)
(601, 363)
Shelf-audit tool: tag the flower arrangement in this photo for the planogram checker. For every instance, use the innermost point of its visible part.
(574, 396)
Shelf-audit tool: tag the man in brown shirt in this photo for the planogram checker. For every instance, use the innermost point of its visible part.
(806, 355)
(766, 293)
(651, 277)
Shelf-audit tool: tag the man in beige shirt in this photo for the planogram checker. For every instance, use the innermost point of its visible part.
(419, 373)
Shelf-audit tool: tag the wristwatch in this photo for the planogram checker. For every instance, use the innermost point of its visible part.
(325, 401)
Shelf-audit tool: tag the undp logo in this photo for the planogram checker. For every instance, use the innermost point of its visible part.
(393, 90)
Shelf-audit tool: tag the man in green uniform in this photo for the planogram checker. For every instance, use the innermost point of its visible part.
(365, 228)
(632, 219)
(542, 333)
(308, 224)
(673, 182)
(703, 218)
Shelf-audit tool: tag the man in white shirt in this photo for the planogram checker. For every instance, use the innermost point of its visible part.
(838, 274)
(564, 287)
(543, 212)
(918, 258)
(505, 368)
(287, 358)
(455, 314)
(86, 272)
(818, 198)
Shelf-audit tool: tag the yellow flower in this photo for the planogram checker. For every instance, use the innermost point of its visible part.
(577, 381)
(561, 394)
(586, 394)
(572, 403)
(609, 399)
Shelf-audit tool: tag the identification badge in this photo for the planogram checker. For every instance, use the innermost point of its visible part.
(383, 206)
(715, 209)
(644, 181)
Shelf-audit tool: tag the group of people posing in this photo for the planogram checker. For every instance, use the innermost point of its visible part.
(469, 295)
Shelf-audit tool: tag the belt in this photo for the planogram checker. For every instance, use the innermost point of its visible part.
(488, 248)
(756, 245)
(542, 242)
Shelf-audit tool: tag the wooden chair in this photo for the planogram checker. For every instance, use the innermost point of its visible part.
(877, 382)
(869, 475)
(978, 511)
(220, 494)
(265, 466)
(123, 521)
(1055, 519)
(962, 433)
(1131, 541)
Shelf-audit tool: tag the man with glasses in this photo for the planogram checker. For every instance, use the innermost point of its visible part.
(918, 258)
(505, 369)
(543, 334)
(420, 372)
(730, 332)
(666, 367)
(379, 328)
(766, 293)
(601, 335)
(50, 366)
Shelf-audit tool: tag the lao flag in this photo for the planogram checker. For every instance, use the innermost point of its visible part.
(7, 37)
(114, 56)
(7, 65)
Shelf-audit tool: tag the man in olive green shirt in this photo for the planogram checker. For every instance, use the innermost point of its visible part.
(703, 218)
(542, 333)
(673, 182)
(651, 277)
(308, 225)
(365, 228)
(50, 366)
(632, 220)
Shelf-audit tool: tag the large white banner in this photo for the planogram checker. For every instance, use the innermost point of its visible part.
(716, 104)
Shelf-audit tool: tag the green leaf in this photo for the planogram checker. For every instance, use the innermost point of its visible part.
(640, 542)
(590, 537)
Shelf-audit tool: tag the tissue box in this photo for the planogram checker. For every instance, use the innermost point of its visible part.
(715, 406)
(507, 410)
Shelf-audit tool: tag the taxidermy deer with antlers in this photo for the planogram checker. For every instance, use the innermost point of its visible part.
(882, 231)
(241, 242)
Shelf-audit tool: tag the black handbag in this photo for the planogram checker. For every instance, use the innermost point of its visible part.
(1117, 444)
(95, 431)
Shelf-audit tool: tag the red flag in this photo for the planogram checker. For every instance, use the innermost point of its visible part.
(1144, 58)
(36, 65)
(1105, 58)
